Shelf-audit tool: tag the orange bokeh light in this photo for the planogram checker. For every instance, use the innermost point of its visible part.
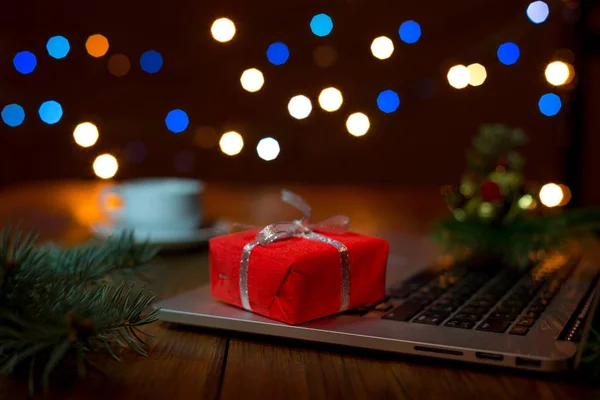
(97, 45)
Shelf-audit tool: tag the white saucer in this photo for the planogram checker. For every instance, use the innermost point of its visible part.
(166, 239)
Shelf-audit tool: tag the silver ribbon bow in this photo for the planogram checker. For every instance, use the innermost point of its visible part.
(300, 229)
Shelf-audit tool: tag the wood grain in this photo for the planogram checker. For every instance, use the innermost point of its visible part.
(188, 363)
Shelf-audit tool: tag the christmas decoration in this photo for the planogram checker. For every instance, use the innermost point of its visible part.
(295, 272)
(496, 214)
(60, 304)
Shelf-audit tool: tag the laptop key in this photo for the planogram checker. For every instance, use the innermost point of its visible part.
(405, 311)
(455, 323)
(526, 321)
(443, 308)
(475, 310)
(494, 325)
(431, 318)
(536, 309)
(519, 330)
(531, 314)
(503, 315)
(467, 317)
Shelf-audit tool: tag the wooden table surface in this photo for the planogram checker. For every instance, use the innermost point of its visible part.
(188, 363)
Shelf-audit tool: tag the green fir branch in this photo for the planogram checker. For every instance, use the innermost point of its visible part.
(57, 303)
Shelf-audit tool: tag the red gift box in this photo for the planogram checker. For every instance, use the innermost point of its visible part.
(294, 273)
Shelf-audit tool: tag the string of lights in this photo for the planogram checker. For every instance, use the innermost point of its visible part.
(252, 80)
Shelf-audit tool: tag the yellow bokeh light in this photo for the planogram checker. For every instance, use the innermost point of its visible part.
(551, 195)
(252, 80)
(459, 77)
(382, 47)
(97, 45)
(86, 134)
(358, 124)
(330, 99)
(231, 143)
(223, 30)
(105, 166)
(558, 73)
(300, 107)
(477, 74)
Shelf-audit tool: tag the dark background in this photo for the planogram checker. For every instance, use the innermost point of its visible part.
(422, 143)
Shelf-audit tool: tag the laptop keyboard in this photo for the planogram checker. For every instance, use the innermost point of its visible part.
(489, 300)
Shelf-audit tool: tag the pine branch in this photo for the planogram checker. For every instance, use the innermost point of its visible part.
(57, 303)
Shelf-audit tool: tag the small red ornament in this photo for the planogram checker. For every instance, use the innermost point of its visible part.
(490, 191)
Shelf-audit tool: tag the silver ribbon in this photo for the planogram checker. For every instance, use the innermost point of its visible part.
(300, 229)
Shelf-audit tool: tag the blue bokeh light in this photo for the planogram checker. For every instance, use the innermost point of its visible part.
(538, 12)
(13, 115)
(278, 53)
(410, 32)
(508, 53)
(177, 121)
(151, 61)
(388, 101)
(58, 47)
(50, 112)
(25, 62)
(549, 104)
(321, 25)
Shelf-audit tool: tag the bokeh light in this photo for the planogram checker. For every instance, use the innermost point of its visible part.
(566, 195)
(382, 47)
(25, 62)
(330, 99)
(537, 12)
(459, 77)
(97, 45)
(558, 73)
(50, 112)
(526, 201)
(551, 195)
(549, 104)
(252, 80)
(268, 149)
(278, 53)
(105, 166)
(388, 101)
(206, 137)
(151, 61)
(136, 151)
(13, 115)
(300, 107)
(358, 124)
(508, 53)
(223, 30)
(86, 134)
(410, 32)
(58, 47)
(324, 56)
(321, 25)
(177, 121)
(119, 65)
(477, 74)
(231, 143)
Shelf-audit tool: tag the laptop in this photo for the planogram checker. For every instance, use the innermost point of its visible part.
(532, 319)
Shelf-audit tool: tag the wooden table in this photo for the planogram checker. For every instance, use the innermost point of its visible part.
(188, 363)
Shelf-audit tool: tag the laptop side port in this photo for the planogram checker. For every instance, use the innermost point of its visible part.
(489, 356)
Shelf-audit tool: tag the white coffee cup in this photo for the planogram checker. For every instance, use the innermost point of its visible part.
(156, 204)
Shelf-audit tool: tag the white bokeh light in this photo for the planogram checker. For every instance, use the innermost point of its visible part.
(330, 99)
(358, 124)
(300, 107)
(557, 73)
(223, 30)
(268, 149)
(231, 143)
(459, 77)
(538, 12)
(551, 195)
(105, 166)
(382, 47)
(252, 80)
(477, 74)
(86, 134)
